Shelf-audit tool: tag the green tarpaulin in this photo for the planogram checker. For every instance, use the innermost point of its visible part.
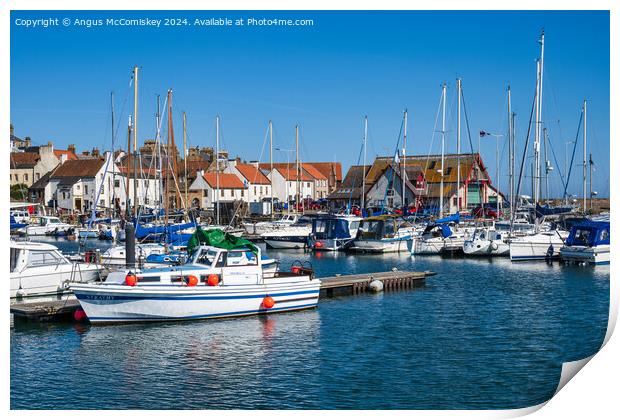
(217, 238)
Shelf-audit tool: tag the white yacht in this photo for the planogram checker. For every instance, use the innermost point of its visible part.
(259, 228)
(44, 225)
(383, 234)
(40, 270)
(486, 241)
(294, 236)
(334, 232)
(539, 246)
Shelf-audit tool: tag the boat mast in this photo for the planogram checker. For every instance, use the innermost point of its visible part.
(135, 138)
(271, 163)
(217, 170)
(539, 103)
(113, 203)
(443, 136)
(158, 152)
(404, 175)
(546, 164)
(185, 157)
(363, 200)
(297, 167)
(585, 133)
(511, 157)
(127, 198)
(458, 145)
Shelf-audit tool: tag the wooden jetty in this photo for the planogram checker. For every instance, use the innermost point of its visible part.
(352, 284)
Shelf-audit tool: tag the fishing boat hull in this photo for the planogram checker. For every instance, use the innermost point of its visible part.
(122, 304)
(43, 282)
(589, 255)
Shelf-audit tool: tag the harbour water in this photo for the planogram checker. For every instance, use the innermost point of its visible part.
(482, 333)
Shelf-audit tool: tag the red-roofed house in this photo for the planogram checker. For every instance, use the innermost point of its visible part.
(231, 188)
(30, 166)
(257, 183)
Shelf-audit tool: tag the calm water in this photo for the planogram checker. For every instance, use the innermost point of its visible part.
(481, 334)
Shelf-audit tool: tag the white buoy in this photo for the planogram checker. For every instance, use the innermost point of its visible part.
(376, 286)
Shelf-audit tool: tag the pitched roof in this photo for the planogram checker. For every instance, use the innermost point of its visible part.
(230, 181)
(329, 169)
(287, 170)
(24, 160)
(252, 174)
(43, 181)
(70, 155)
(314, 172)
(86, 168)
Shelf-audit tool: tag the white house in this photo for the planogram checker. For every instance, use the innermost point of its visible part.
(231, 188)
(258, 185)
(285, 185)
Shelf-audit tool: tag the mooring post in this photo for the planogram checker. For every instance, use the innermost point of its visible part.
(130, 245)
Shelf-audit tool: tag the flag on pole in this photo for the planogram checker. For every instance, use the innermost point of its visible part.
(483, 133)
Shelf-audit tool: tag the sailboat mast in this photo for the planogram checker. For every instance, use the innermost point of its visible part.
(185, 156)
(217, 170)
(591, 164)
(585, 138)
(271, 163)
(536, 163)
(135, 139)
(511, 151)
(545, 140)
(539, 106)
(127, 185)
(363, 200)
(458, 145)
(158, 151)
(404, 163)
(297, 167)
(443, 138)
(112, 204)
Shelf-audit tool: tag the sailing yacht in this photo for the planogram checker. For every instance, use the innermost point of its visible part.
(486, 241)
(386, 233)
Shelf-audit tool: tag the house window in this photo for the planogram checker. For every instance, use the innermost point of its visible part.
(25, 177)
(63, 195)
(37, 176)
(449, 170)
(85, 189)
(432, 165)
(102, 202)
(254, 189)
(307, 184)
(241, 193)
(117, 183)
(221, 193)
(261, 190)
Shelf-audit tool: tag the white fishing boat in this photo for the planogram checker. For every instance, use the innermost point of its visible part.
(588, 243)
(40, 270)
(539, 246)
(333, 233)
(486, 241)
(383, 234)
(44, 225)
(220, 283)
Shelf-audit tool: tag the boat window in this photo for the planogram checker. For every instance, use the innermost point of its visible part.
(604, 235)
(206, 257)
(482, 235)
(14, 258)
(582, 237)
(39, 258)
(320, 226)
(238, 258)
(354, 226)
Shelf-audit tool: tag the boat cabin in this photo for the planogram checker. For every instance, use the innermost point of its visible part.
(26, 255)
(379, 227)
(589, 234)
(335, 227)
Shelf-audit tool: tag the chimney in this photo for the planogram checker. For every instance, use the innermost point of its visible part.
(12, 130)
(95, 152)
(27, 141)
(86, 153)
(71, 148)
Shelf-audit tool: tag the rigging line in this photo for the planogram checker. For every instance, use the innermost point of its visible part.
(359, 157)
(391, 179)
(570, 168)
(471, 144)
(527, 141)
(556, 162)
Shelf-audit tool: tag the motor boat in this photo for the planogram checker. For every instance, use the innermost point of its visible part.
(294, 236)
(386, 233)
(334, 232)
(217, 283)
(486, 241)
(40, 270)
(588, 243)
(259, 228)
(44, 225)
(544, 245)
(116, 256)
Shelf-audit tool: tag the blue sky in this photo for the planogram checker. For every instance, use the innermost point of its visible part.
(324, 77)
